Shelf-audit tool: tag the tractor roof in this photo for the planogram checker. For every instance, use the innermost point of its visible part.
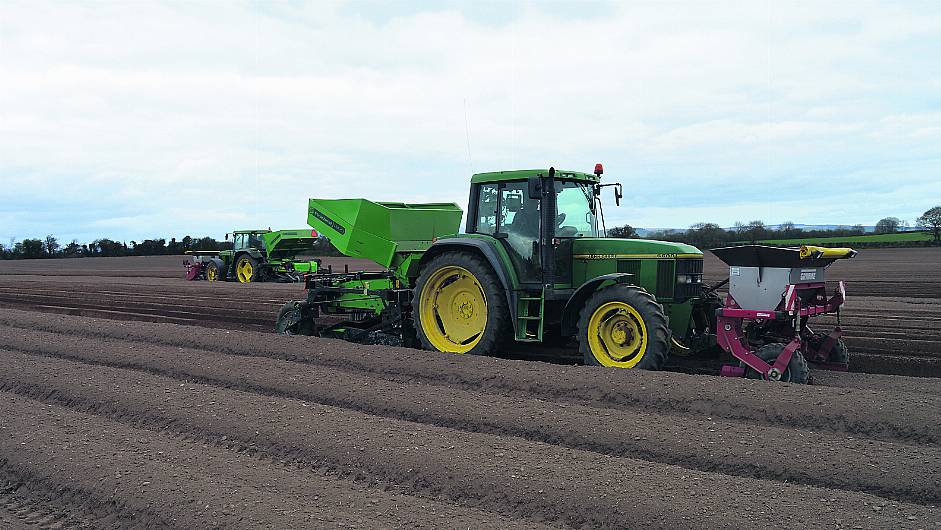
(259, 231)
(523, 174)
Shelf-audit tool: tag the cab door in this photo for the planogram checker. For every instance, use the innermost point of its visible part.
(575, 218)
(506, 211)
(238, 241)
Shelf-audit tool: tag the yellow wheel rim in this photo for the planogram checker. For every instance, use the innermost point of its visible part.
(212, 274)
(244, 271)
(617, 335)
(453, 310)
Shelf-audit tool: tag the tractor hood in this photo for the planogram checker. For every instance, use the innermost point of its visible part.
(613, 248)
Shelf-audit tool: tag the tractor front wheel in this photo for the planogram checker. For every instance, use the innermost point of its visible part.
(460, 305)
(623, 326)
(246, 269)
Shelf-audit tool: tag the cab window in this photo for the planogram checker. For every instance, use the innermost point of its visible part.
(487, 209)
(575, 209)
(519, 215)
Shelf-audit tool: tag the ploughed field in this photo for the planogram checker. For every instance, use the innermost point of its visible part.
(116, 423)
(153, 402)
(892, 319)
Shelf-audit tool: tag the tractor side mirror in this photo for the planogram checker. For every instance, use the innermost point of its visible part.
(535, 187)
(618, 194)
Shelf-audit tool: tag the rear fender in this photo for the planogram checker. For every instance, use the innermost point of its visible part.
(253, 253)
(484, 249)
(573, 307)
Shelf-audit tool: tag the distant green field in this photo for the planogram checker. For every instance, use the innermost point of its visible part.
(901, 237)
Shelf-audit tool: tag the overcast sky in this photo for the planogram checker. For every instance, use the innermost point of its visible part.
(138, 119)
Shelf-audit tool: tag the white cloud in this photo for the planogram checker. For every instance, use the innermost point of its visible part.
(187, 117)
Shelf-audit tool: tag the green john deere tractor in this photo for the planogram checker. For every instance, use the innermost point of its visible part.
(532, 266)
(256, 256)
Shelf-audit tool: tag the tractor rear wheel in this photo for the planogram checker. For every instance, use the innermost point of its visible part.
(797, 370)
(460, 305)
(246, 269)
(623, 326)
(214, 272)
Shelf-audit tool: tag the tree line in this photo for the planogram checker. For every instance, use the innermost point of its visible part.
(109, 248)
(711, 235)
(51, 248)
(702, 235)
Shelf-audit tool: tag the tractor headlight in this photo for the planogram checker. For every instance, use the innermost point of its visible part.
(689, 279)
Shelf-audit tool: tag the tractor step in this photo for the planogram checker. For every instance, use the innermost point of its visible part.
(529, 320)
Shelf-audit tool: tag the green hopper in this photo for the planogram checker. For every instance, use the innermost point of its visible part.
(384, 232)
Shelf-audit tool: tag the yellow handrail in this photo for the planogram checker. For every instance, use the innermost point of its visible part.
(809, 251)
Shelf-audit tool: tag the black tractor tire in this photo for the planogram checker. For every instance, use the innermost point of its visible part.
(654, 319)
(498, 327)
(797, 370)
(840, 354)
(265, 273)
(219, 272)
(256, 268)
(304, 327)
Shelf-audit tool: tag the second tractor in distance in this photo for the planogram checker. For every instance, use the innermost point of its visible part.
(256, 256)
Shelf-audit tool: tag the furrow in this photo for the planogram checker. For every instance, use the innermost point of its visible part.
(43, 498)
(892, 416)
(162, 480)
(902, 365)
(509, 475)
(707, 444)
(150, 307)
(883, 383)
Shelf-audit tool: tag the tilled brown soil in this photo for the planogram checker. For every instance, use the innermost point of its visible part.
(140, 475)
(178, 407)
(133, 266)
(885, 335)
(152, 424)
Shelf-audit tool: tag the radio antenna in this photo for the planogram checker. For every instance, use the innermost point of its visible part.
(470, 164)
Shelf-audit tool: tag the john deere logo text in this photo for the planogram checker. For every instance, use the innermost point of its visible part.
(327, 221)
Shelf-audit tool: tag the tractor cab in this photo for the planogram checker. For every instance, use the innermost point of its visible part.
(248, 239)
(551, 224)
(537, 215)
